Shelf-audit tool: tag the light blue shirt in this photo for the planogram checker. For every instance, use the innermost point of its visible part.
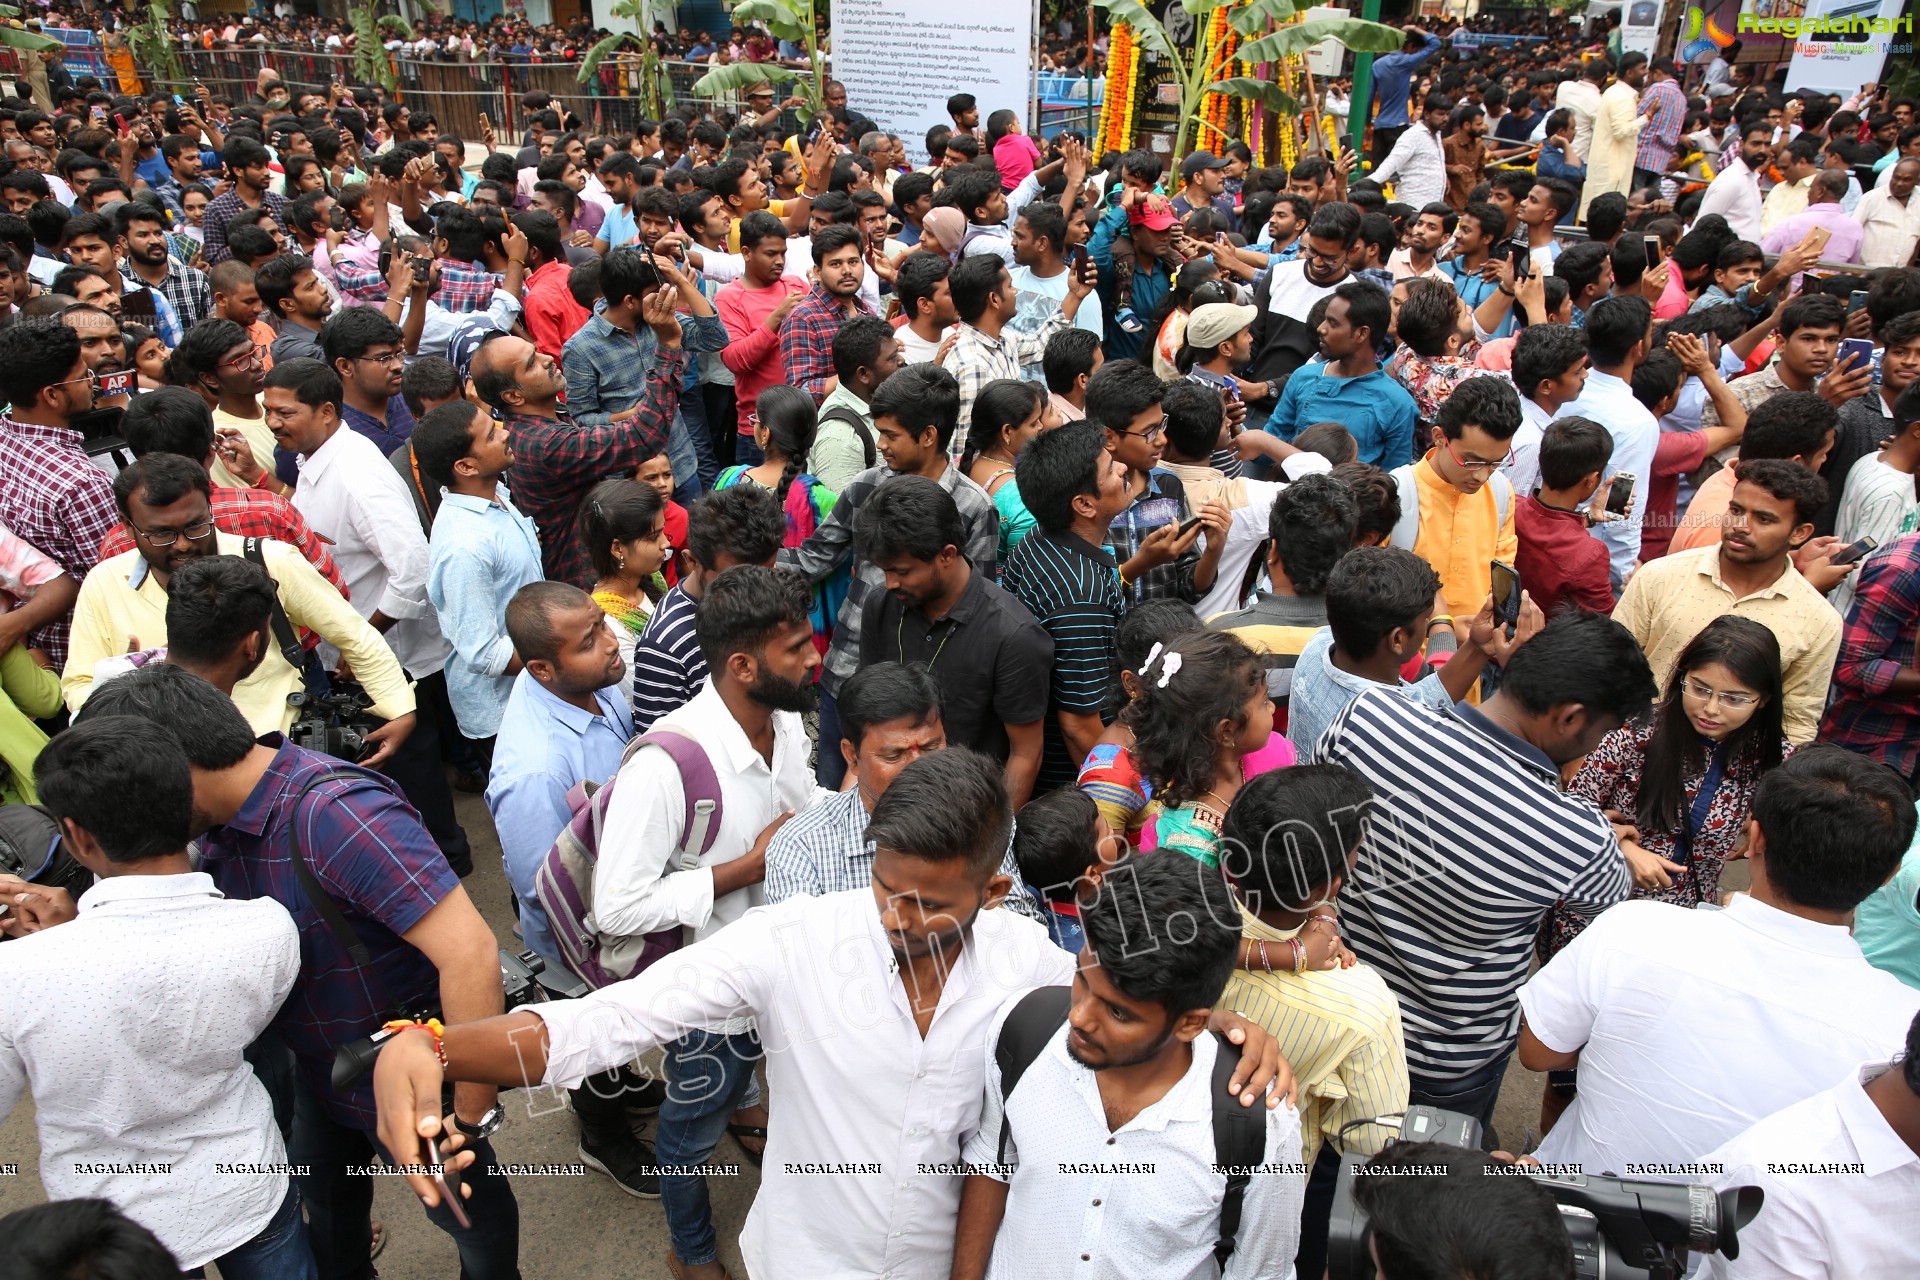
(481, 553)
(1321, 691)
(1376, 411)
(1636, 433)
(619, 227)
(547, 746)
(1391, 72)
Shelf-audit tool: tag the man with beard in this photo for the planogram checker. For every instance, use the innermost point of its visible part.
(1282, 338)
(88, 241)
(104, 351)
(877, 1091)
(142, 230)
(993, 684)
(806, 339)
(754, 633)
(1161, 944)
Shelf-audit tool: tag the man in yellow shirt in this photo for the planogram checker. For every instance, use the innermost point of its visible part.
(1289, 840)
(164, 500)
(1749, 572)
(1456, 509)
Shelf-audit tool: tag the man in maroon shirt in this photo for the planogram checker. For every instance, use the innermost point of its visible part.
(1559, 561)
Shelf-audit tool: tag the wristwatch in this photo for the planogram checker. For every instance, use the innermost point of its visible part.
(489, 1123)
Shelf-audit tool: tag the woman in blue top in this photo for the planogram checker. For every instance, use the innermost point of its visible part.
(1006, 414)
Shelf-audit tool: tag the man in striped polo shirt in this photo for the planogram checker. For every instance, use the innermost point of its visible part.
(1472, 841)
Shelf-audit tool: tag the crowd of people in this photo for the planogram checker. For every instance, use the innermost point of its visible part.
(1361, 615)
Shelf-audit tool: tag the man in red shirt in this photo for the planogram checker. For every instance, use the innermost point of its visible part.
(753, 308)
(551, 312)
(1559, 561)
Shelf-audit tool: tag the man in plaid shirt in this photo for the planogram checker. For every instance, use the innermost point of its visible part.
(806, 339)
(914, 414)
(984, 349)
(53, 497)
(1666, 110)
(556, 460)
(459, 241)
(144, 232)
(1873, 708)
(252, 170)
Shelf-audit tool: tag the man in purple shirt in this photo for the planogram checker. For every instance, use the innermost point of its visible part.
(404, 938)
(1823, 210)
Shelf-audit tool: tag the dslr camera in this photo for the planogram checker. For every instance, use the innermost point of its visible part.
(336, 722)
(1622, 1228)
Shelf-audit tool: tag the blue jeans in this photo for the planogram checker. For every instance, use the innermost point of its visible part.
(708, 1076)
(1473, 1094)
(685, 456)
(693, 412)
(280, 1252)
(340, 1204)
(746, 453)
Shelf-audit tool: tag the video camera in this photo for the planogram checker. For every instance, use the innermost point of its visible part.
(523, 980)
(1622, 1229)
(336, 723)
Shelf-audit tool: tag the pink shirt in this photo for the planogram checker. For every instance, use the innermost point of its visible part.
(1673, 299)
(1016, 157)
(752, 352)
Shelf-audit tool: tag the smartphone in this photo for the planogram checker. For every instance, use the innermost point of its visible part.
(1857, 300)
(1188, 525)
(1219, 237)
(1818, 237)
(1231, 390)
(448, 1182)
(122, 122)
(422, 267)
(1652, 245)
(1858, 350)
(1506, 594)
(1619, 494)
(1522, 255)
(1854, 551)
(486, 125)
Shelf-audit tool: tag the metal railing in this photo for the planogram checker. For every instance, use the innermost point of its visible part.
(458, 93)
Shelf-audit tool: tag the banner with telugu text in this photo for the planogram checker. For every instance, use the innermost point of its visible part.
(902, 59)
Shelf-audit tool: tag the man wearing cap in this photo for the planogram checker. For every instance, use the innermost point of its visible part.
(1417, 165)
(1131, 289)
(1204, 183)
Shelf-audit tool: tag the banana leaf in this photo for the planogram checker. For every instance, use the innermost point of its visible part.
(600, 53)
(739, 75)
(786, 19)
(1254, 18)
(33, 41)
(1355, 34)
(1264, 92)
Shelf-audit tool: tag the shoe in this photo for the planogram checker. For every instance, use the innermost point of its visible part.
(625, 1159)
(642, 1098)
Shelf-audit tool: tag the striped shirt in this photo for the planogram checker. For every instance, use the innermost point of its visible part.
(830, 545)
(1339, 1029)
(1277, 628)
(668, 667)
(1073, 588)
(1471, 843)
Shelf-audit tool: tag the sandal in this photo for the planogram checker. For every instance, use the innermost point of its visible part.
(740, 1131)
(379, 1239)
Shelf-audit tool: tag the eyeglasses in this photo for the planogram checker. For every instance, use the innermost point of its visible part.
(1706, 694)
(1157, 429)
(167, 537)
(392, 357)
(1308, 251)
(253, 358)
(1476, 464)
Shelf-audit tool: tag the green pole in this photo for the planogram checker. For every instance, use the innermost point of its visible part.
(1362, 85)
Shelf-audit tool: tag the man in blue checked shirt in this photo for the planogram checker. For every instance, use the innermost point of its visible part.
(608, 361)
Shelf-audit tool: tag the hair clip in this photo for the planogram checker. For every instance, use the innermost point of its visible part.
(1151, 655)
(1169, 667)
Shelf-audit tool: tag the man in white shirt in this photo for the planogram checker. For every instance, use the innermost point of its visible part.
(1116, 1110)
(1890, 218)
(1735, 193)
(1819, 1225)
(1581, 97)
(755, 635)
(130, 1021)
(1879, 500)
(1688, 1026)
(353, 497)
(877, 1002)
(1040, 276)
(1549, 370)
(1618, 333)
(1418, 158)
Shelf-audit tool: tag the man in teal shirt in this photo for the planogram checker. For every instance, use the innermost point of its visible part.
(1349, 388)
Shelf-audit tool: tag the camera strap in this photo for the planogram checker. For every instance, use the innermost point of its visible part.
(283, 633)
(330, 914)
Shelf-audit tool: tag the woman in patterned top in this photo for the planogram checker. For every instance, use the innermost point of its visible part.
(1109, 774)
(623, 526)
(1685, 776)
(1006, 414)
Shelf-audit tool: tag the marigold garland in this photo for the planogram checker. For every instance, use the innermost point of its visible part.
(1123, 71)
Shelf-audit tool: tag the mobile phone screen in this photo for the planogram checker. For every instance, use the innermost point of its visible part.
(1854, 551)
(1522, 258)
(1619, 494)
(1652, 244)
(1506, 592)
(1188, 525)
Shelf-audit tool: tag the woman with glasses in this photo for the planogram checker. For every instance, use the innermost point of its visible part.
(1684, 776)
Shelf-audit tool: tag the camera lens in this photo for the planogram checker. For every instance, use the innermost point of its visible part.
(1715, 1220)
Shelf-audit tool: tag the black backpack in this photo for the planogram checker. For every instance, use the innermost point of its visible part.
(1239, 1133)
(840, 413)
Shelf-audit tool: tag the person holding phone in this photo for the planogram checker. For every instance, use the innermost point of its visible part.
(1822, 217)
(1560, 561)
(1878, 500)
